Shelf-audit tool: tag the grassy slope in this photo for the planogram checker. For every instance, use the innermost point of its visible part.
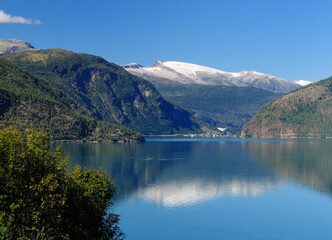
(306, 112)
(106, 90)
(26, 100)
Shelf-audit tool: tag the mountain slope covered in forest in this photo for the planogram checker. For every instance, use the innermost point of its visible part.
(217, 106)
(29, 101)
(106, 90)
(305, 112)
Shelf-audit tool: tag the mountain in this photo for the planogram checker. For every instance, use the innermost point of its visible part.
(302, 82)
(215, 98)
(188, 73)
(29, 101)
(217, 106)
(14, 45)
(106, 90)
(305, 112)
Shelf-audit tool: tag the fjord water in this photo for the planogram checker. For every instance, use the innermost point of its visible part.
(188, 188)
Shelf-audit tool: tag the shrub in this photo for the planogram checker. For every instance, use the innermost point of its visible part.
(40, 198)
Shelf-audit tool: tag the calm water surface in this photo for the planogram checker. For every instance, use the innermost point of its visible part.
(181, 188)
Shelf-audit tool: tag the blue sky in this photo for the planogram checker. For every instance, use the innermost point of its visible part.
(291, 39)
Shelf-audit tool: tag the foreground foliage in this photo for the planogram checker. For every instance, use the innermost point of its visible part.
(41, 199)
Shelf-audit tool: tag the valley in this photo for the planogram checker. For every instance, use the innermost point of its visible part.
(218, 99)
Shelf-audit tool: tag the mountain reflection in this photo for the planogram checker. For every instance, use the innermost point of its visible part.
(176, 173)
(177, 193)
(307, 162)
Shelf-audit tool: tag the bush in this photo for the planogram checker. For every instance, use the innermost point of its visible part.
(40, 198)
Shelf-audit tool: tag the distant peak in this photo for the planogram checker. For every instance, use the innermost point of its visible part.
(15, 45)
(157, 63)
(132, 65)
(16, 41)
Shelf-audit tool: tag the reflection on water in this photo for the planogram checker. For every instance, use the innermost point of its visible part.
(217, 189)
(176, 173)
(175, 193)
(307, 162)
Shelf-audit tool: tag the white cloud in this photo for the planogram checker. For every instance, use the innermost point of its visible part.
(7, 18)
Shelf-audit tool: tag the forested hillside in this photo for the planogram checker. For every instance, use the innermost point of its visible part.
(106, 90)
(29, 101)
(305, 112)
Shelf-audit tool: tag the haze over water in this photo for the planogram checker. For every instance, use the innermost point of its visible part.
(183, 188)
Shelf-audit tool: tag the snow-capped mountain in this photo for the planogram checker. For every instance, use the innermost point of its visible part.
(302, 82)
(187, 73)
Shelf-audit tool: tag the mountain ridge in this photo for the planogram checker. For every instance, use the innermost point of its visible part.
(188, 73)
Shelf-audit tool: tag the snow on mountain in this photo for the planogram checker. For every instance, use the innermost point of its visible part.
(188, 73)
(302, 82)
(190, 70)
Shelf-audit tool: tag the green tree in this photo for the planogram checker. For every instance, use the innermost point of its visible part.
(40, 198)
